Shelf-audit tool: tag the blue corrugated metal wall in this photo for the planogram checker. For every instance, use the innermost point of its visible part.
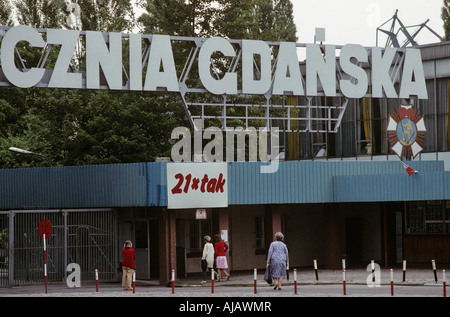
(312, 181)
(421, 186)
(144, 184)
(74, 187)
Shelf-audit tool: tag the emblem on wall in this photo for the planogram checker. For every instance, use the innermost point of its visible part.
(406, 132)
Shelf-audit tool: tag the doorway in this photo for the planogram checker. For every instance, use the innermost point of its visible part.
(353, 240)
(147, 248)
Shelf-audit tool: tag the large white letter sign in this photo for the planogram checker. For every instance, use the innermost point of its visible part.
(413, 68)
(226, 85)
(287, 75)
(135, 62)
(12, 37)
(380, 72)
(98, 54)
(197, 185)
(349, 89)
(318, 67)
(250, 85)
(161, 54)
(60, 77)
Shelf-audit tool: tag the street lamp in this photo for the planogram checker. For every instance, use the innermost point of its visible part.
(20, 151)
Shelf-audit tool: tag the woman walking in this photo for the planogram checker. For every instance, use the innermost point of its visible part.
(207, 257)
(128, 265)
(278, 259)
(220, 247)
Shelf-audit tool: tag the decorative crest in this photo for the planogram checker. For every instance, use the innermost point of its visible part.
(406, 132)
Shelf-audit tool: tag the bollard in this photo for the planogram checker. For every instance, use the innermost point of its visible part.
(212, 281)
(173, 281)
(372, 263)
(45, 264)
(295, 281)
(315, 270)
(343, 282)
(392, 282)
(255, 279)
(433, 265)
(96, 280)
(443, 283)
(134, 281)
(404, 270)
(343, 277)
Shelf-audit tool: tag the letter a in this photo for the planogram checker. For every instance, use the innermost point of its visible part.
(74, 278)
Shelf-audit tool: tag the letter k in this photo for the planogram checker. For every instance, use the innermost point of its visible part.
(220, 183)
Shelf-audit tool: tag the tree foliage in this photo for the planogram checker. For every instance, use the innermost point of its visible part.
(78, 127)
(445, 15)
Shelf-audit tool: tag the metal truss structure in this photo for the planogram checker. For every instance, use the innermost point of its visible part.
(318, 113)
(393, 39)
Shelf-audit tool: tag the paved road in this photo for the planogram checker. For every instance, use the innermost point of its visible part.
(418, 283)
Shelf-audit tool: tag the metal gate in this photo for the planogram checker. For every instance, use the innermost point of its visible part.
(86, 237)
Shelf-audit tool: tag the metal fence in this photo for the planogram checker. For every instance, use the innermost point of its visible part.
(85, 237)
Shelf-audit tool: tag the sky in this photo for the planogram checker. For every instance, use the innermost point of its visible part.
(356, 21)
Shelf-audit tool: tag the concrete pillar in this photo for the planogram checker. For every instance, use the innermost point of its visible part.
(272, 223)
(221, 221)
(332, 237)
(167, 245)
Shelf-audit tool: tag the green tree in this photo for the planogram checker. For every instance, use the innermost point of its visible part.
(104, 15)
(5, 12)
(269, 20)
(40, 13)
(275, 20)
(76, 127)
(445, 15)
(177, 17)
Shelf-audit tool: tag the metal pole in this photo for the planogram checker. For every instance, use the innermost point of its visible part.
(65, 252)
(11, 249)
(45, 264)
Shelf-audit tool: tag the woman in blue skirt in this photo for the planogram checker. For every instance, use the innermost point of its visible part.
(278, 259)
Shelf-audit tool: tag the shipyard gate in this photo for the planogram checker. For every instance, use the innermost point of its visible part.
(86, 237)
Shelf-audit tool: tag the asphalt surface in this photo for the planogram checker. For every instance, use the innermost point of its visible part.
(330, 283)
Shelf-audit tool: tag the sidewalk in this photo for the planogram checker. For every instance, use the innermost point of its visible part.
(245, 280)
(305, 276)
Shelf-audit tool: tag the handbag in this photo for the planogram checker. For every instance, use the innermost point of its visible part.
(119, 266)
(204, 265)
(267, 275)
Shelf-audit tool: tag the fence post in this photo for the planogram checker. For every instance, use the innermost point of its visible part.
(433, 265)
(173, 281)
(45, 264)
(404, 270)
(444, 283)
(315, 270)
(255, 279)
(392, 282)
(96, 280)
(372, 264)
(295, 281)
(343, 277)
(134, 281)
(212, 281)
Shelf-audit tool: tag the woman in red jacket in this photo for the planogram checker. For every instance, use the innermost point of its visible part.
(220, 247)
(128, 265)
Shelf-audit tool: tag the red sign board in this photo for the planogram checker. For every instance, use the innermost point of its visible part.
(45, 227)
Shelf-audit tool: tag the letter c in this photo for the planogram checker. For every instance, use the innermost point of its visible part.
(13, 74)
(226, 85)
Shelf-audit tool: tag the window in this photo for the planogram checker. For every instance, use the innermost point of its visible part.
(428, 217)
(363, 127)
(259, 233)
(284, 228)
(198, 229)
